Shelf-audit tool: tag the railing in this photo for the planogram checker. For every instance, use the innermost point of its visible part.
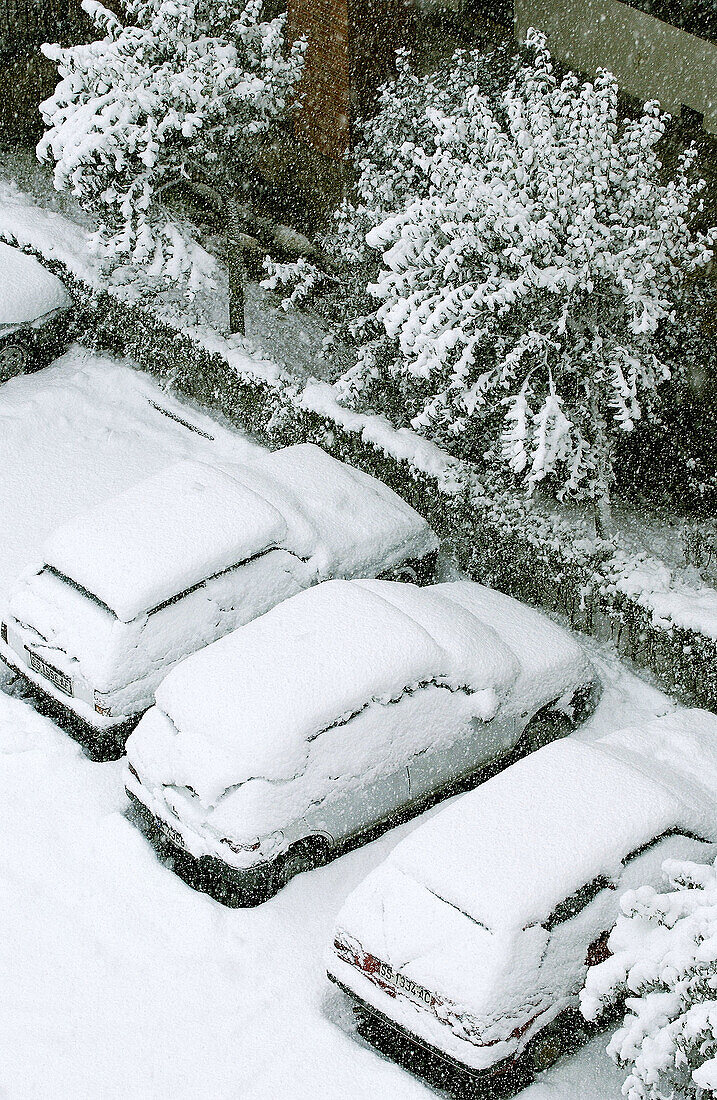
(650, 58)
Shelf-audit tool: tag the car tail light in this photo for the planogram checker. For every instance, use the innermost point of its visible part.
(102, 706)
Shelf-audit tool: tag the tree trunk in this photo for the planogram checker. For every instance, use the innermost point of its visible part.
(234, 228)
(604, 526)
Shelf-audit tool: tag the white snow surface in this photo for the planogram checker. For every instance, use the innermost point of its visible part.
(163, 536)
(28, 290)
(268, 688)
(584, 807)
(117, 979)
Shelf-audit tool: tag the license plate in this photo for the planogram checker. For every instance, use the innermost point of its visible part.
(59, 679)
(170, 833)
(403, 984)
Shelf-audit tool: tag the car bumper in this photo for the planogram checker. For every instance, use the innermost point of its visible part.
(419, 1056)
(205, 873)
(99, 743)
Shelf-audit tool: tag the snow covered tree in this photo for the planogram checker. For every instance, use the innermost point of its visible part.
(527, 250)
(181, 93)
(664, 963)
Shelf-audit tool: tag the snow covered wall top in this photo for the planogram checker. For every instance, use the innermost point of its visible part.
(28, 290)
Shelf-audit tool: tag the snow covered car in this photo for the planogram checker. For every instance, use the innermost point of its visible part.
(135, 585)
(33, 304)
(467, 948)
(340, 711)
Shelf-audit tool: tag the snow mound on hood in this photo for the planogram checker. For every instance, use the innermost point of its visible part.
(249, 704)
(162, 536)
(28, 290)
(510, 851)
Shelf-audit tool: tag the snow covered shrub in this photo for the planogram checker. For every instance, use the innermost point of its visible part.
(671, 459)
(180, 93)
(528, 250)
(664, 963)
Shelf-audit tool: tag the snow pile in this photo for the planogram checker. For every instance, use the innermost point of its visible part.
(583, 812)
(112, 426)
(163, 536)
(664, 962)
(28, 290)
(359, 526)
(269, 689)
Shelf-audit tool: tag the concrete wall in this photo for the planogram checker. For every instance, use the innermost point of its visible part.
(650, 59)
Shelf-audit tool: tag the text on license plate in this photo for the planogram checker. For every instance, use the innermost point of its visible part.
(59, 679)
(406, 985)
(171, 834)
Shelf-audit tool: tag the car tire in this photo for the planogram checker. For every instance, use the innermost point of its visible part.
(545, 1049)
(15, 358)
(304, 855)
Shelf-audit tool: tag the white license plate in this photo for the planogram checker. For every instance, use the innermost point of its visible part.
(59, 679)
(403, 984)
(170, 833)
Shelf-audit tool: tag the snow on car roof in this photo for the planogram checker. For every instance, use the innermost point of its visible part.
(357, 522)
(28, 290)
(162, 536)
(249, 704)
(507, 853)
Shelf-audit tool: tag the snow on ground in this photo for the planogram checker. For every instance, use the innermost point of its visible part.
(117, 979)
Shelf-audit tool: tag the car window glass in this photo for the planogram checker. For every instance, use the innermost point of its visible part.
(573, 905)
(78, 588)
(657, 840)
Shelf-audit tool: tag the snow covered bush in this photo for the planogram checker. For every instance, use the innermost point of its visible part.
(664, 963)
(528, 250)
(181, 93)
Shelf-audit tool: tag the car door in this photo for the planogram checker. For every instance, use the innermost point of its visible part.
(458, 743)
(577, 928)
(357, 774)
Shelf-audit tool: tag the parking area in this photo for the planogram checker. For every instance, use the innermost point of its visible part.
(122, 980)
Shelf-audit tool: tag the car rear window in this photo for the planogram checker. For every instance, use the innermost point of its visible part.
(78, 588)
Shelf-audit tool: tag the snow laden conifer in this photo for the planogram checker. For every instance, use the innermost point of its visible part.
(527, 249)
(180, 92)
(664, 963)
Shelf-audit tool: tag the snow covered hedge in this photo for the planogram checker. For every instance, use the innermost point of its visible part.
(490, 530)
(664, 963)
